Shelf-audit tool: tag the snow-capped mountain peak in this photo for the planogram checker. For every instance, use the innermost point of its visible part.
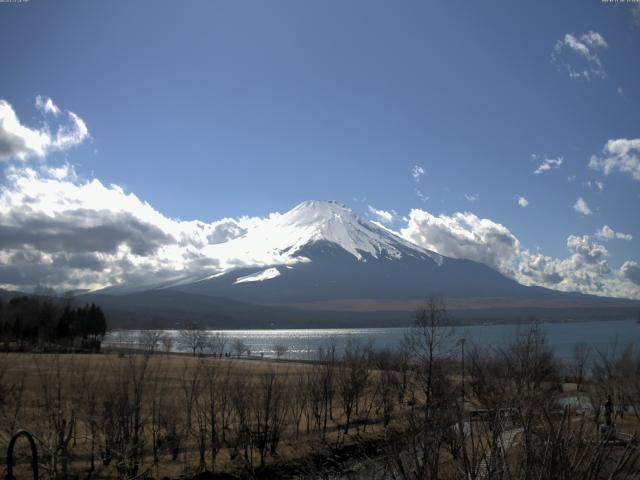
(314, 212)
(329, 221)
(287, 239)
(316, 221)
(280, 239)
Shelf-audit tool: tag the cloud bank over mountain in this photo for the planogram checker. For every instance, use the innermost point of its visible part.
(57, 229)
(465, 235)
(61, 230)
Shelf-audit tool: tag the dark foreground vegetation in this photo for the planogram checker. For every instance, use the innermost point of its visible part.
(43, 322)
(424, 411)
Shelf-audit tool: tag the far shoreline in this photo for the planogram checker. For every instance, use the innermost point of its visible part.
(453, 324)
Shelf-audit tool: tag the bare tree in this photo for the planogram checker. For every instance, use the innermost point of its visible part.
(516, 387)
(216, 343)
(269, 414)
(299, 394)
(239, 347)
(149, 340)
(11, 399)
(211, 411)
(579, 361)
(122, 419)
(167, 343)
(327, 356)
(387, 386)
(60, 414)
(191, 385)
(426, 341)
(352, 376)
(316, 394)
(430, 419)
(240, 398)
(280, 350)
(88, 399)
(192, 338)
(616, 375)
(170, 434)
(155, 414)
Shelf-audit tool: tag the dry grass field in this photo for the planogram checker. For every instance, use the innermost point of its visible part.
(85, 408)
(129, 415)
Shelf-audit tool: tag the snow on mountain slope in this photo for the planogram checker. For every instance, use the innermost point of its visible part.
(267, 274)
(320, 253)
(286, 240)
(279, 239)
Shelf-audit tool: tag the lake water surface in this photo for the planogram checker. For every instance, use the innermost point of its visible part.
(604, 336)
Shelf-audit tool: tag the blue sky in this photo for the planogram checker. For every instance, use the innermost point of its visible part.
(212, 109)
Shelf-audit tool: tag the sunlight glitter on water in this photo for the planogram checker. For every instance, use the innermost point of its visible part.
(304, 343)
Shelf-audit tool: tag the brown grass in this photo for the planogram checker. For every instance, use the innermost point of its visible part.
(72, 376)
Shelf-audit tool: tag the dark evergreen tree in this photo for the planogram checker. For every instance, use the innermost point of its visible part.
(63, 329)
(38, 318)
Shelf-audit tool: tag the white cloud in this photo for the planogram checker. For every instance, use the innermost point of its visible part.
(594, 185)
(594, 39)
(463, 235)
(46, 105)
(382, 216)
(586, 270)
(631, 271)
(584, 246)
(624, 236)
(622, 155)
(60, 230)
(522, 201)
(581, 207)
(548, 164)
(577, 273)
(471, 197)
(20, 142)
(71, 134)
(607, 233)
(421, 195)
(578, 55)
(538, 269)
(416, 172)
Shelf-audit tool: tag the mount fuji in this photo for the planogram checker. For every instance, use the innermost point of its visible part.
(320, 264)
(322, 252)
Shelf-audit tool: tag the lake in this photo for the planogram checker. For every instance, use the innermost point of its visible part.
(604, 336)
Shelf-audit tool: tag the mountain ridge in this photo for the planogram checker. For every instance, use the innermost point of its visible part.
(321, 262)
